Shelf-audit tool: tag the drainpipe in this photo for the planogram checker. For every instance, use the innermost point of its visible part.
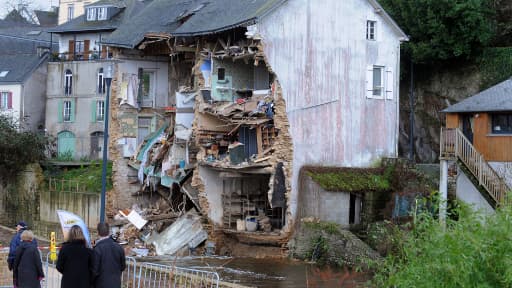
(411, 114)
(443, 191)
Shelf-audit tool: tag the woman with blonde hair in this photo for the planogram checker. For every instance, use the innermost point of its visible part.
(75, 260)
(28, 269)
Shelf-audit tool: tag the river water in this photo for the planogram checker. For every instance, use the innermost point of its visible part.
(271, 272)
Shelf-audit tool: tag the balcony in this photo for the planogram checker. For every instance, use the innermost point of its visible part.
(80, 56)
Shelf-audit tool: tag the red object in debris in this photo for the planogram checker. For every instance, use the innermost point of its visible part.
(170, 108)
(240, 101)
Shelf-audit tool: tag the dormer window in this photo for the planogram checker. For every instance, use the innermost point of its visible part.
(102, 13)
(96, 13)
(91, 14)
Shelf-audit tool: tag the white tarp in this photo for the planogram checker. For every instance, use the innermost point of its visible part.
(186, 230)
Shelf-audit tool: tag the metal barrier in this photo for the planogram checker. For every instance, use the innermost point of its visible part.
(52, 276)
(157, 275)
(5, 274)
(128, 278)
(143, 275)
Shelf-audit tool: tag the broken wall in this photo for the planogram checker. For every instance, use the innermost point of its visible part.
(323, 77)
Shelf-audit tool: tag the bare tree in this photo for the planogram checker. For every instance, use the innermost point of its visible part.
(24, 7)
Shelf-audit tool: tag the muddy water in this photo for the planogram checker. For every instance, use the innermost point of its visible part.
(272, 272)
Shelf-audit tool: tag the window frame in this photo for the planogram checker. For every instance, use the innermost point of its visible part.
(91, 14)
(66, 111)
(381, 86)
(4, 101)
(508, 124)
(148, 95)
(101, 82)
(68, 82)
(371, 30)
(102, 13)
(100, 110)
(71, 11)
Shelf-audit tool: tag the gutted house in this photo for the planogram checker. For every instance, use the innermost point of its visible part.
(262, 89)
(476, 143)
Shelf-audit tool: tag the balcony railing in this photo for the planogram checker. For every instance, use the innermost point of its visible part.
(80, 56)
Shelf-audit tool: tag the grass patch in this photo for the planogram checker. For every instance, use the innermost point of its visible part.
(89, 177)
(352, 180)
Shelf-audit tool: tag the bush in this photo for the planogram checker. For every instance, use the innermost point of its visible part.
(473, 251)
(18, 147)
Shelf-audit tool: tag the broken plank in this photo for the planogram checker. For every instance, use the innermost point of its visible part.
(261, 159)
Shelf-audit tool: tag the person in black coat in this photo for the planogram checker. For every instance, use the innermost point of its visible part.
(28, 269)
(75, 261)
(109, 260)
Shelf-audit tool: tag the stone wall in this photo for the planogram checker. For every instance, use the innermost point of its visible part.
(19, 198)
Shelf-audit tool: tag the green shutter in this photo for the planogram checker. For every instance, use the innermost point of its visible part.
(72, 116)
(93, 111)
(60, 112)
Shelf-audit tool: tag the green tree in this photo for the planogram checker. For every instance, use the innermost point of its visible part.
(17, 147)
(443, 29)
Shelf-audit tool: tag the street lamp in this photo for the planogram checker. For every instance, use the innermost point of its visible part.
(108, 81)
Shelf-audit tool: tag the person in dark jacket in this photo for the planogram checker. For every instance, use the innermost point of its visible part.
(75, 260)
(109, 259)
(15, 242)
(28, 269)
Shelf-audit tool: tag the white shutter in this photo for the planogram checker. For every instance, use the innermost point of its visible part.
(369, 82)
(390, 84)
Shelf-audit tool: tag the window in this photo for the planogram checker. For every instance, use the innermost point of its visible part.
(5, 100)
(79, 49)
(147, 80)
(100, 110)
(502, 123)
(102, 13)
(68, 82)
(377, 81)
(91, 14)
(101, 81)
(221, 74)
(371, 27)
(66, 111)
(71, 12)
(4, 73)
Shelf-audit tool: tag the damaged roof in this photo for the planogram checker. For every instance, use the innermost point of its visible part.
(496, 98)
(190, 18)
(201, 17)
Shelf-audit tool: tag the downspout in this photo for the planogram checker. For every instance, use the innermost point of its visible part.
(411, 104)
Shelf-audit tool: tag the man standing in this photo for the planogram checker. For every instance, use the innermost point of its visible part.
(15, 242)
(109, 260)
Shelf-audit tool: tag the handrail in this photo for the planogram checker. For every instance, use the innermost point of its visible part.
(455, 144)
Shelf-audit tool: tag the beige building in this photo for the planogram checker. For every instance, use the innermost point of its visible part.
(70, 9)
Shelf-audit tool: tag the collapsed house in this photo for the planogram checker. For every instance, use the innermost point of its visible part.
(258, 90)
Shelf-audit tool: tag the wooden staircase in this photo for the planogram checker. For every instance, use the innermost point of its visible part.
(454, 145)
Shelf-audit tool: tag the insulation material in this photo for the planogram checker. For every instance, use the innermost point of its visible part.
(187, 229)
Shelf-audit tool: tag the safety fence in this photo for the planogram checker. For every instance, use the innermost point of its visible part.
(145, 275)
